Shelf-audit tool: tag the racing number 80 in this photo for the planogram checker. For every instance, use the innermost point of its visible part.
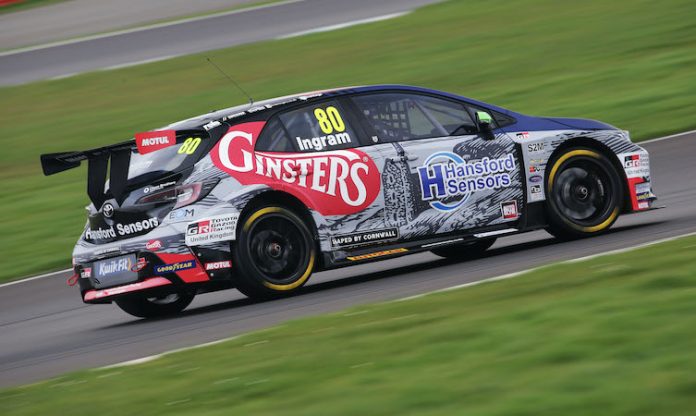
(330, 120)
(190, 145)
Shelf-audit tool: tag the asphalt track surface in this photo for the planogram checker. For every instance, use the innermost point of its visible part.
(70, 19)
(191, 37)
(46, 330)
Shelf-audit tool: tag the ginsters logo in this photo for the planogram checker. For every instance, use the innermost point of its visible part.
(333, 183)
(445, 176)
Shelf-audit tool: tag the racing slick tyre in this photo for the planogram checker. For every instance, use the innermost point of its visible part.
(465, 251)
(584, 194)
(274, 254)
(152, 307)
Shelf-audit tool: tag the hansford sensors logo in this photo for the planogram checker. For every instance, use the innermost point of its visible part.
(446, 176)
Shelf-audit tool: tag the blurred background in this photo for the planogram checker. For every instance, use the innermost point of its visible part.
(605, 337)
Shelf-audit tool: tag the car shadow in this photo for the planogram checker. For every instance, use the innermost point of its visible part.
(379, 275)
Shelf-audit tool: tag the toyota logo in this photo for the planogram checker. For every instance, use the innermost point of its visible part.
(108, 210)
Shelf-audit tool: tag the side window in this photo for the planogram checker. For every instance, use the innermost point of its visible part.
(274, 139)
(319, 127)
(398, 117)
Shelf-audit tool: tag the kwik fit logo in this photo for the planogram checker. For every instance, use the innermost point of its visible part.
(445, 176)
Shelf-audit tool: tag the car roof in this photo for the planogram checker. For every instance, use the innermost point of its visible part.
(278, 103)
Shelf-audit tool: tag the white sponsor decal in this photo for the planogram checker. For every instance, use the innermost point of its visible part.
(643, 188)
(212, 125)
(106, 268)
(212, 230)
(637, 165)
(535, 147)
(509, 210)
(154, 188)
(536, 193)
(217, 265)
(323, 142)
(366, 237)
(155, 140)
(121, 229)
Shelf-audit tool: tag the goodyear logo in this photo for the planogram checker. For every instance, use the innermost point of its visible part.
(175, 267)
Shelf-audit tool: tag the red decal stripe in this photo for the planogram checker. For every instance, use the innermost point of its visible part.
(91, 295)
(196, 274)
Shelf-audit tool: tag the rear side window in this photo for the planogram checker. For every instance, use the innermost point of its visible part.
(320, 127)
(399, 117)
(274, 138)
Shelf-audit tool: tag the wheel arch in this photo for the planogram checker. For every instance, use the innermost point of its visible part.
(286, 200)
(600, 147)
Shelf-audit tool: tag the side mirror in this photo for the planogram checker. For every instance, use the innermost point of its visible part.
(484, 121)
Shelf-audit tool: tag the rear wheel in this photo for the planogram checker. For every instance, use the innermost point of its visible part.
(274, 253)
(152, 307)
(465, 251)
(584, 194)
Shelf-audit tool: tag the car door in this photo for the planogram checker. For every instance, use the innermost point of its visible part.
(441, 174)
(338, 174)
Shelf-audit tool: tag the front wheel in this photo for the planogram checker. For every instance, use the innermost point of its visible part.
(152, 307)
(584, 194)
(274, 253)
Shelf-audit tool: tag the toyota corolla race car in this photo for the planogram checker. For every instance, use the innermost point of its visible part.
(259, 196)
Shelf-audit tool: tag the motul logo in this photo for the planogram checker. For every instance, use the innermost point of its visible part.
(225, 264)
(334, 182)
(154, 140)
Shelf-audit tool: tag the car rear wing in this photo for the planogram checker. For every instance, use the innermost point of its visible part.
(98, 159)
(53, 163)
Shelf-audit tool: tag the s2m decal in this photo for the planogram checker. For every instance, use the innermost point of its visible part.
(336, 182)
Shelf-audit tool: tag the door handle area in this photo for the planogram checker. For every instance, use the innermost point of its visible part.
(404, 158)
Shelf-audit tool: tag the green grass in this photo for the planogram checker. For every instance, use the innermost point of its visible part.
(608, 336)
(26, 4)
(629, 63)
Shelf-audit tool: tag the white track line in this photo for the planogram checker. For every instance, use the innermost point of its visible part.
(142, 28)
(533, 269)
(673, 136)
(447, 289)
(144, 61)
(29, 279)
(344, 25)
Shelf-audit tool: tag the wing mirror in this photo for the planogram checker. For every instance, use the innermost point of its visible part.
(484, 121)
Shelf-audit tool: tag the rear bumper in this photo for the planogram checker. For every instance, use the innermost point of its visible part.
(158, 273)
(102, 295)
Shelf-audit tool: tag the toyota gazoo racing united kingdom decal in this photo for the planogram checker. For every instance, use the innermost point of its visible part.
(448, 181)
(335, 182)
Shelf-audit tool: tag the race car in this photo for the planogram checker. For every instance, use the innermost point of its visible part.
(258, 197)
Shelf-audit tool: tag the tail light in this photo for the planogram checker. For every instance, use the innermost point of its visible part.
(182, 195)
